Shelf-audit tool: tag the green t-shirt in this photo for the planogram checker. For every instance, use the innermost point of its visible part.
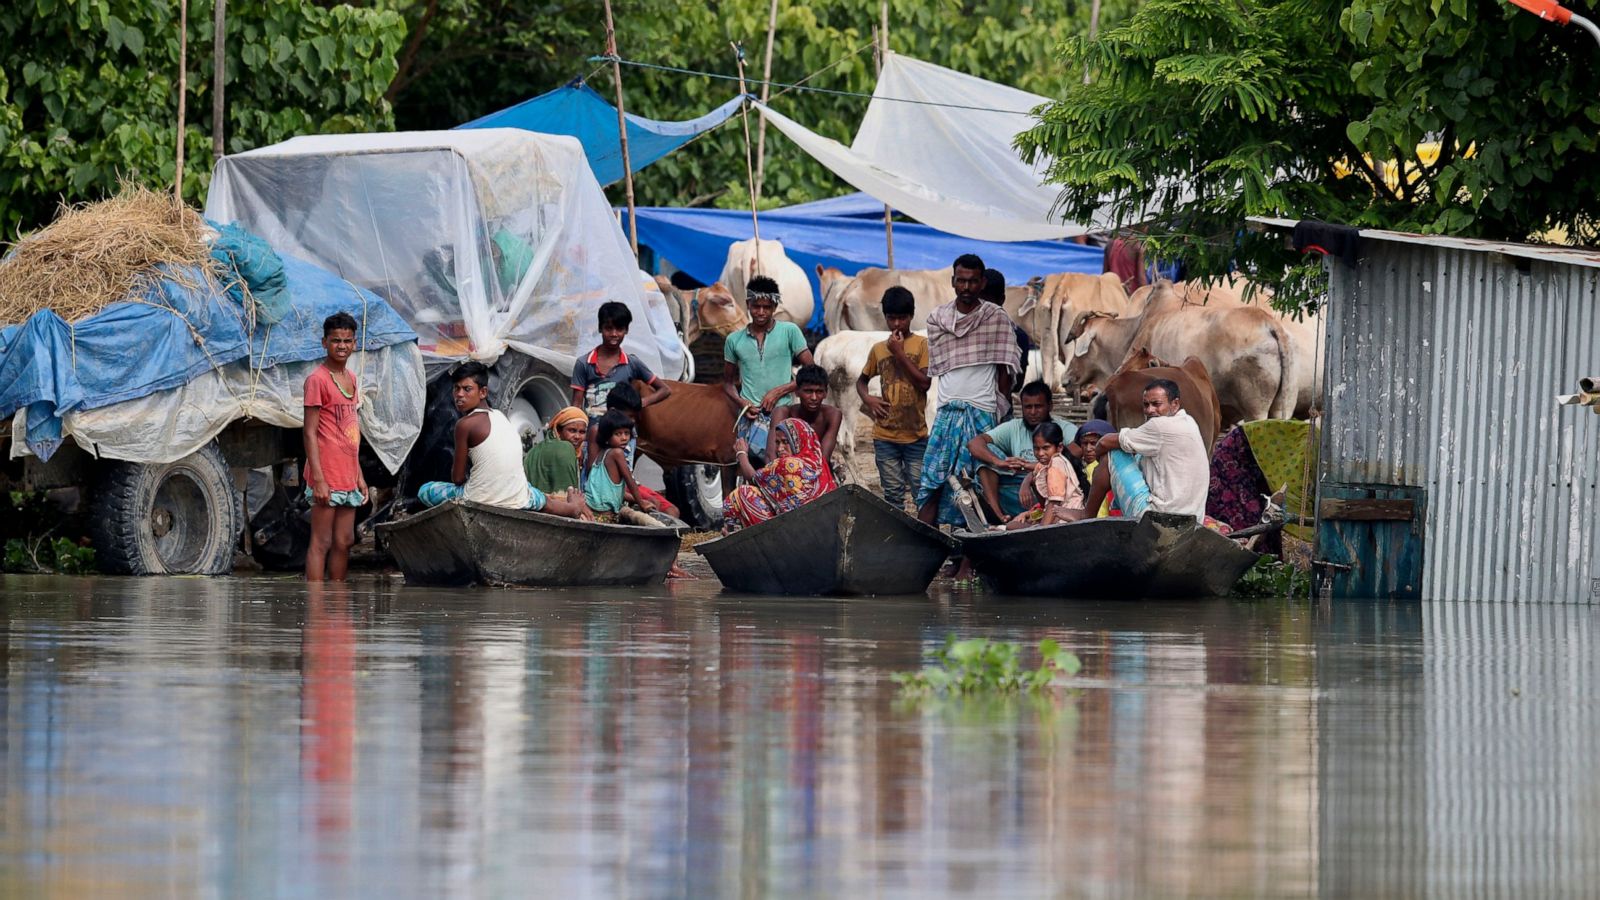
(768, 365)
(1013, 438)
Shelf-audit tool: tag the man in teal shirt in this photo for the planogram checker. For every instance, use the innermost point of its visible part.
(1005, 452)
(760, 360)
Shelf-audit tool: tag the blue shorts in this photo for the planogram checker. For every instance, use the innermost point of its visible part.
(338, 498)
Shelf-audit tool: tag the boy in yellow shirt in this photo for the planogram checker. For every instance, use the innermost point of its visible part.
(900, 425)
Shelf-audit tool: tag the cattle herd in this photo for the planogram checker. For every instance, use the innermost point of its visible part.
(1243, 359)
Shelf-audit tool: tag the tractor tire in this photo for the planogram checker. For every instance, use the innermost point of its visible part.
(178, 518)
(697, 492)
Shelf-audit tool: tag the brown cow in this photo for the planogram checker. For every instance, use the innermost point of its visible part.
(1125, 392)
(711, 308)
(692, 426)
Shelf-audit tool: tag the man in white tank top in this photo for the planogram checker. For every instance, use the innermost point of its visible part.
(486, 439)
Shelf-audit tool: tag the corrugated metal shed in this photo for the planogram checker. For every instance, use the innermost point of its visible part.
(1443, 360)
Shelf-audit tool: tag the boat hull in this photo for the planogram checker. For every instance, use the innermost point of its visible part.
(462, 542)
(1159, 556)
(847, 543)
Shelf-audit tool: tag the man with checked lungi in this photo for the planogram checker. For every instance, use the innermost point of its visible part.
(972, 351)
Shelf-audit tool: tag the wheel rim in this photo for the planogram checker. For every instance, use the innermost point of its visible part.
(179, 523)
(539, 398)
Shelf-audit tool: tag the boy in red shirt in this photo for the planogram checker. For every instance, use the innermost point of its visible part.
(334, 483)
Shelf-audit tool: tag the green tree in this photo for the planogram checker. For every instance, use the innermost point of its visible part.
(456, 68)
(1202, 113)
(88, 90)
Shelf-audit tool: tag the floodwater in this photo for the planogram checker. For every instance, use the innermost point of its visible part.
(252, 738)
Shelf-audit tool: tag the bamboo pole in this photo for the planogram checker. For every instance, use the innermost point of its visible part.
(766, 89)
(1094, 29)
(749, 161)
(881, 55)
(183, 88)
(219, 62)
(622, 131)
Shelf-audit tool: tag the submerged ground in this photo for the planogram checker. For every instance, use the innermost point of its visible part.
(248, 737)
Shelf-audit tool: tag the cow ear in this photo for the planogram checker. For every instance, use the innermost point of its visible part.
(819, 270)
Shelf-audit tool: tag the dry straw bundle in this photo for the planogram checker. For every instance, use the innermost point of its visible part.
(96, 254)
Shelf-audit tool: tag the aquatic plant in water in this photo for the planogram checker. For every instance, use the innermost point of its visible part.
(1272, 577)
(979, 665)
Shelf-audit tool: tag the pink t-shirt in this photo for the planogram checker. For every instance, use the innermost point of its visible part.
(338, 429)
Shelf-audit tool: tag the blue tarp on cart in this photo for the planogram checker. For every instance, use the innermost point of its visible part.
(164, 340)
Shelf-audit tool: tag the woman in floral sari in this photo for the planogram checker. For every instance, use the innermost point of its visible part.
(797, 475)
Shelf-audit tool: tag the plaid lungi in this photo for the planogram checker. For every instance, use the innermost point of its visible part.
(955, 425)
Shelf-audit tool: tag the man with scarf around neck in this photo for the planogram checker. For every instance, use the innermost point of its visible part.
(973, 352)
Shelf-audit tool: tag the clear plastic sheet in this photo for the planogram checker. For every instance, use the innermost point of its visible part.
(483, 240)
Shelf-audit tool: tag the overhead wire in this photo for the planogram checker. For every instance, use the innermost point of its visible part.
(801, 86)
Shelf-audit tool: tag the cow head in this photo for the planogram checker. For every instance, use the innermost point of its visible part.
(717, 311)
(1086, 368)
(833, 284)
(1139, 358)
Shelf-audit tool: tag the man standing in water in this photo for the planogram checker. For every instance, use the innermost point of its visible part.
(760, 361)
(973, 352)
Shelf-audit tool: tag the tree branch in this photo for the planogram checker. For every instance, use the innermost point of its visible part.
(402, 74)
(1357, 158)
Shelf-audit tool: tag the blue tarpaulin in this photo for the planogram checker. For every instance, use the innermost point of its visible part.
(578, 111)
(697, 240)
(132, 350)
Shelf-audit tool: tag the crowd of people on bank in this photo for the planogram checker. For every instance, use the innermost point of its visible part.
(978, 465)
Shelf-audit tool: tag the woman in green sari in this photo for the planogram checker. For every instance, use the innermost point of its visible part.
(552, 464)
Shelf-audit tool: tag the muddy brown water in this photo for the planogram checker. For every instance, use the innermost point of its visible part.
(251, 737)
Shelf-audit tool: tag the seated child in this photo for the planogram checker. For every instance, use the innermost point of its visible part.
(1061, 497)
(1088, 444)
(487, 440)
(624, 399)
(552, 464)
(610, 485)
(811, 386)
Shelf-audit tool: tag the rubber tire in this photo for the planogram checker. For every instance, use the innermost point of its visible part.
(682, 485)
(122, 528)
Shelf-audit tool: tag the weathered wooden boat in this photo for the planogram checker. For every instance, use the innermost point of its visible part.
(462, 542)
(849, 542)
(1158, 556)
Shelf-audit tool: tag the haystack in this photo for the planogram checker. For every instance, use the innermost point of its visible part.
(96, 254)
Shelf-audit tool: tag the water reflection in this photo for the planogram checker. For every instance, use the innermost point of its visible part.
(255, 737)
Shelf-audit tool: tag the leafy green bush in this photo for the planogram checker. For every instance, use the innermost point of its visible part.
(43, 555)
(1272, 577)
(27, 521)
(979, 665)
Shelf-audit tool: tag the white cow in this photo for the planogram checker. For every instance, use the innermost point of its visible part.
(1047, 307)
(793, 286)
(1305, 332)
(844, 355)
(855, 302)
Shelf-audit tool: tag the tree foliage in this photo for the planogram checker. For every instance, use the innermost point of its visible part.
(461, 71)
(88, 90)
(1202, 113)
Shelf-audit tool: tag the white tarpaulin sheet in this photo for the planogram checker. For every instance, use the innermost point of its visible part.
(482, 240)
(946, 161)
(168, 425)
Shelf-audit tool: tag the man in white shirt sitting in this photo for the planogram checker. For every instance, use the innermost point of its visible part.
(1172, 472)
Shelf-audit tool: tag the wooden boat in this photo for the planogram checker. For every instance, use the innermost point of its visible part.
(1158, 556)
(462, 542)
(848, 542)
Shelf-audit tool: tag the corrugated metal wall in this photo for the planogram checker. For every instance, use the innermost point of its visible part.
(1442, 370)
